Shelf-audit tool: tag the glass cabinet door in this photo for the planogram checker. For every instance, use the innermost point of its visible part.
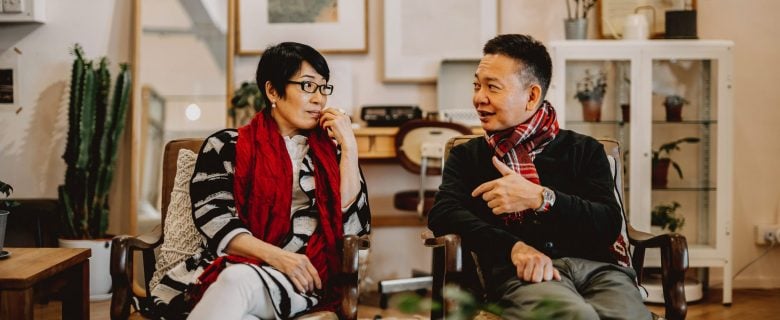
(684, 148)
(598, 101)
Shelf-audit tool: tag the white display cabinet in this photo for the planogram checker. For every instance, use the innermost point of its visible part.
(638, 78)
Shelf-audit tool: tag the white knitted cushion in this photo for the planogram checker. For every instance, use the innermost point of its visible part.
(182, 239)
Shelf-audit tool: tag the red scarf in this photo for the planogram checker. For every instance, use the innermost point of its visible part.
(263, 196)
(517, 147)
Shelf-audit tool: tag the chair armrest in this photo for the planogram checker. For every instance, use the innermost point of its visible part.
(447, 267)
(121, 267)
(348, 279)
(353, 244)
(674, 263)
(452, 249)
(674, 242)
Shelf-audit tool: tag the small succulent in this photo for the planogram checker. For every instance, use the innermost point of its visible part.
(675, 100)
(592, 87)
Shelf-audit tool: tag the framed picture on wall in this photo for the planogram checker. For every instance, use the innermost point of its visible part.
(613, 13)
(9, 79)
(420, 34)
(330, 26)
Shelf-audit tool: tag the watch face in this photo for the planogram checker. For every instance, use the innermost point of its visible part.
(548, 198)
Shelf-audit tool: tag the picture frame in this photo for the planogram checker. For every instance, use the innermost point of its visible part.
(612, 13)
(10, 80)
(337, 26)
(418, 35)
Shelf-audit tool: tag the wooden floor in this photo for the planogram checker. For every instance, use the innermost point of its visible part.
(748, 304)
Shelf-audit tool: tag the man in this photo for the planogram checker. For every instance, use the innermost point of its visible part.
(535, 202)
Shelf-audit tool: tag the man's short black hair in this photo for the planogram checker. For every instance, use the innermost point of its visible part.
(532, 54)
(279, 63)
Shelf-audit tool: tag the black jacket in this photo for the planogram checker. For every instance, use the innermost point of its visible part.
(584, 222)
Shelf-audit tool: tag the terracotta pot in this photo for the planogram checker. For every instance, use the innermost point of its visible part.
(673, 112)
(591, 110)
(626, 112)
(660, 172)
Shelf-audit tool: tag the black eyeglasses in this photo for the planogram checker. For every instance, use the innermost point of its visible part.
(311, 87)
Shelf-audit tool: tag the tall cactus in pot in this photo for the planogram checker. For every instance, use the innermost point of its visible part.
(95, 124)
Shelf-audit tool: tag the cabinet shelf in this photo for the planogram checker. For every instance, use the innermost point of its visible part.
(607, 122)
(622, 123)
(690, 189)
(707, 122)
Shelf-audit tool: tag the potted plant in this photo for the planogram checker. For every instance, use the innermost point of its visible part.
(665, 218)
(673, 104)
(576, 23)
(590, 93)
(96, 122)
(661, 163)
(5, 205)
(246, 102)
(460, 304)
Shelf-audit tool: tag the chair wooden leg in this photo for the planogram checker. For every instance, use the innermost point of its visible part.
(121, 260)
(437, 289)
(674, 264)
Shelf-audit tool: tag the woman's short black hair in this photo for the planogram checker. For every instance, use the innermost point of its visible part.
(537, 65)
(280, 62)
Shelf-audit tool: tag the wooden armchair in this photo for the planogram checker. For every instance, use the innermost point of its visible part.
(449, 266)
(124, 246)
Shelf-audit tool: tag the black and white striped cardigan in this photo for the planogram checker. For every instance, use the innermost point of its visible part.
(214, 213)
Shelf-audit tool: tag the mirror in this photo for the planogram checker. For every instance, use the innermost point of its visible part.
(181, 71)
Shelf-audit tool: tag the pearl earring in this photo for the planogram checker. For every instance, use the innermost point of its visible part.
(273, 104)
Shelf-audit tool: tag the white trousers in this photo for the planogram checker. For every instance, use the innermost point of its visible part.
(238, 294)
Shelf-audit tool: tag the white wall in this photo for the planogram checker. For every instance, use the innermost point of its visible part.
(753, 27)
(30, 156)
(32, 141)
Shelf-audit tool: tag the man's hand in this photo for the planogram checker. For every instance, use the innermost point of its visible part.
(298, 268)
(532, 265)
(510, 193)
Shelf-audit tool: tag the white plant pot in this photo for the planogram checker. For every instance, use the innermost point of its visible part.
(99, 266)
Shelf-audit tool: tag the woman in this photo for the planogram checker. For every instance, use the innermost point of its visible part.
(272, 200)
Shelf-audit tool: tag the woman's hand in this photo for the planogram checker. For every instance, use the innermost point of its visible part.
(339, 127)
(298, 268)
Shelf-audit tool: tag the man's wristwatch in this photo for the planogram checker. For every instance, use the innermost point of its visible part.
(548, 199)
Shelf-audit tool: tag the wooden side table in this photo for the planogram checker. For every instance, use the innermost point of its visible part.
(28, 266)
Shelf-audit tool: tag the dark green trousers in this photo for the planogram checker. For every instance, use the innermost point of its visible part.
(587, 290)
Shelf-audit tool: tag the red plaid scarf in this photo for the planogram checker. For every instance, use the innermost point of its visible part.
(263, 196)
(517, 147)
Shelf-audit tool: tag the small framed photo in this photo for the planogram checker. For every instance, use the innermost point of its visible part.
(419, 35)
(7, 94)
(330, 26)
(10, 79)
